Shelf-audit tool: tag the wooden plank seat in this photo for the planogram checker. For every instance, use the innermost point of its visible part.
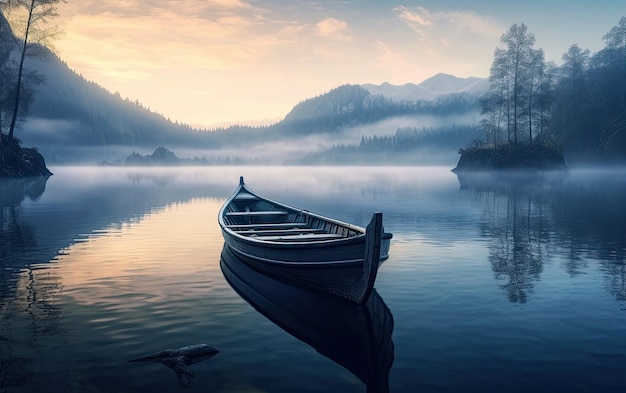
(269, 226)
(278, 232)
(258, 213)
(304, 237)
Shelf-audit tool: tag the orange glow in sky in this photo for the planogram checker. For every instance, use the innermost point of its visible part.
(231, 61)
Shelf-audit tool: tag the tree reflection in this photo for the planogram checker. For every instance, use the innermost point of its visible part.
(27, 294)
(15, 237)
(592, 216)
(514, 222)
(532, 218)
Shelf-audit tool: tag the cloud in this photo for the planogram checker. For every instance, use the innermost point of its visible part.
(134, 35)
(387, 58)
(141, 7)
(418, 19)
(334, 28)
(470, 22)
(426, 23)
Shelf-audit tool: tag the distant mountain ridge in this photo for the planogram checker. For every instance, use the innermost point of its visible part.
(431, 88)
(69, 110)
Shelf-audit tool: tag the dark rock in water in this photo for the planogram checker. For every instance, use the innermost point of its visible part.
(511, 156)
(16, 161)
(179, 359)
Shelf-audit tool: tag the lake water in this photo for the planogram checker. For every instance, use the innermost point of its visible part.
(492, 286)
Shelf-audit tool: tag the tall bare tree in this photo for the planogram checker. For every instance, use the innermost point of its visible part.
(500, 92)
(575, 64)
(38, 14)
(515, 83)
(518, 56)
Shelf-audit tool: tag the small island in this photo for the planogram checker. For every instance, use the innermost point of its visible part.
(162, 157)
(509, 156)
(165, 157)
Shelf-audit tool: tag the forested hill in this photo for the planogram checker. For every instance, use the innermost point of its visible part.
(353, 105)
(68, 109)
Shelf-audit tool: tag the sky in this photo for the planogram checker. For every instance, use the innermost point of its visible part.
(216, 62)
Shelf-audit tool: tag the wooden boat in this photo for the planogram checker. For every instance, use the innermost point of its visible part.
(305, 248)
(358, 337)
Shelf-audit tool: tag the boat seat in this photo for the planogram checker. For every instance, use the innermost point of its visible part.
(269, 226)
(304, 237)
(258, 213)
(278, 232)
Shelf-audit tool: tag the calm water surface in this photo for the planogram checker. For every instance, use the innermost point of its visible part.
(491, 286)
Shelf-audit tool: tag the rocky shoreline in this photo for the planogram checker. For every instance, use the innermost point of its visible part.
(17, 161)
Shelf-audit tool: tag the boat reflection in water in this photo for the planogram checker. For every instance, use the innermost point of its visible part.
(357, 337)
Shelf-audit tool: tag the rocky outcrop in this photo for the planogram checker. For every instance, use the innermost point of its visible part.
(16, 161)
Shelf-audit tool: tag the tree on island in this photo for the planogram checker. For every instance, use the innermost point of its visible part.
(535, 112)
(29, 18)
(516, 109)
(518, 100)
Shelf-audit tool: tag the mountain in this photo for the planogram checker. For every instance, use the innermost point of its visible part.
(68, 110)
(449, 84)
(431, 89)
(353, 105)
(406, 92)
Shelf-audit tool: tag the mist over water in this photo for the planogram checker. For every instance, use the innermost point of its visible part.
(493, 284)
(66, 152)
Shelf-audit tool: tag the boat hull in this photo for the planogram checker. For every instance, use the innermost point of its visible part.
(304, 248)
(342, 251)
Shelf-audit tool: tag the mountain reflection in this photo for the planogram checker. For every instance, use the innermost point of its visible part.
(357, 337)
(531, 219)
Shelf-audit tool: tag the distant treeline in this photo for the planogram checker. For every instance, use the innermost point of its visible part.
(408, 138)
(342, 107)
(406, 146)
